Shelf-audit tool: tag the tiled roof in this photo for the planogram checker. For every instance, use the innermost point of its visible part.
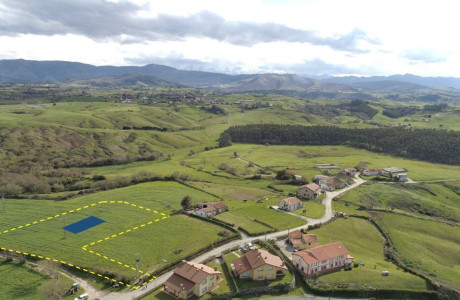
(292, 200)
(311, 186)
(296, 234)
(321, 253)
(179, 283)
(194, 272)
(219, 205)
(256, 258)
(310, 238)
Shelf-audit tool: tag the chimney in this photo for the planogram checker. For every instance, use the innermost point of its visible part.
(215, 269)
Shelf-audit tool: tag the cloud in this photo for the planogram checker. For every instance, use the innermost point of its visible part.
(101, 20)
(424, 55)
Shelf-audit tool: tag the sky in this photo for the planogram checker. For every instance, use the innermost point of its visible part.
(306, 37)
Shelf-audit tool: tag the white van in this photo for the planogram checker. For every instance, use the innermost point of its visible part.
(82, 297)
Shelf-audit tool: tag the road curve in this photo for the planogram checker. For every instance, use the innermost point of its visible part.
(327, 201)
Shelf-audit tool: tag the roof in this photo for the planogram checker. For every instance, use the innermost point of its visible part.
(321, 253)
(179, 283)
(394, 170)
(310, 238)
(292, 200)
(219, 205)
(311, 186)
(194, 272)
(334, 181)
(208, 209)
(296, 234)
(256, 258)
(215, 204)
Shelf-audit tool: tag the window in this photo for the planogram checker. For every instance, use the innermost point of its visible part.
(260, 268)
(270, 268)
(211, 277)
(269, 275)
(204, 290)
(204, 282)
(245, 275)
(260, 277)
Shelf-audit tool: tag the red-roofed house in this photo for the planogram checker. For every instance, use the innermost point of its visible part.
(290, 204)
(321, 259)
(309, 191)
(300, 240)
(190, 279)
(258, 264)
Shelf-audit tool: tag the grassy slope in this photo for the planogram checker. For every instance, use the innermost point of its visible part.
(430, 245)
(167, 235)
(365, 244)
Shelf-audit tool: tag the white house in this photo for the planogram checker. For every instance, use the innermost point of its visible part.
(290, 204)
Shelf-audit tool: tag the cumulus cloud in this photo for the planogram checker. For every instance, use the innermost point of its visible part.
(101, 20)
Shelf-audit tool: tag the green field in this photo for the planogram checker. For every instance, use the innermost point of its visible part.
(365, 244)
(314, 210)
(171, 238)
(243, 221)
(429, 245)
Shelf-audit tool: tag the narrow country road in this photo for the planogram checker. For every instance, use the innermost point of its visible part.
(327, 201)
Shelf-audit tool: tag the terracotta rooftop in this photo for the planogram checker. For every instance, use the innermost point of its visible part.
(179, 283)
(292, 200)
(311, 186)
(298, 238)
(194, 272)
(215, 204)
(219, 205)
(296, 234)
(310, 238)
(321, 253)
(208, 209)
(256, 258)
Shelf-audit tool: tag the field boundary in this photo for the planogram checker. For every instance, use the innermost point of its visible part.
(34, 256)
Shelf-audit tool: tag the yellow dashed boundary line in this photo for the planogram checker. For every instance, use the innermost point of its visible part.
(41, 257)
(163, 216)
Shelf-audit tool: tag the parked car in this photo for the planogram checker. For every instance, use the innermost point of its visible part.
(82, 297)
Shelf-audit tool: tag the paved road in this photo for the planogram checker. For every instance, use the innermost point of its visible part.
(327, 200)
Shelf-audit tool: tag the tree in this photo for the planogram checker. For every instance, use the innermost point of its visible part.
(225, 140)
(186, 202)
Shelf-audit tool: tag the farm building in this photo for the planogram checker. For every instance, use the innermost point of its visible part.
(210, 209)
(300, 240)
(190, 279)
(330, 183)
(309, 191)
(321, 259)
(258, 264)
(373, 172)
(290, 204)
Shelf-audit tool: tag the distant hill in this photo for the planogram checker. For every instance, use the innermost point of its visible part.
(397, 87)
(432, 82)
(391, 86)
(128, 80)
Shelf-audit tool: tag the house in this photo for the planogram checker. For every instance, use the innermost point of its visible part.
(393, 171)
(210, 209)
(258, 264)
(207, 212)
(372, 172)
(401, 177)
(298, 177)
(309, 191)
(290, 204)
(300, 240)
(321, 259)
(190, 279)
(350, 171)
(330, 183)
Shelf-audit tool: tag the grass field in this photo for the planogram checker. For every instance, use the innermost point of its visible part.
(365, 244)
(429, 245)
(243, 221)
(314, 210)
(170, 239)
(434, 200)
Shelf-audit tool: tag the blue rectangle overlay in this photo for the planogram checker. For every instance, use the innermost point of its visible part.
(84, 224)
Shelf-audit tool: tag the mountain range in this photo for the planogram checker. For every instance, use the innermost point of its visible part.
(28, 71)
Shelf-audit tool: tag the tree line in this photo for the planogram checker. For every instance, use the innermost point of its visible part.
(440, 146)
